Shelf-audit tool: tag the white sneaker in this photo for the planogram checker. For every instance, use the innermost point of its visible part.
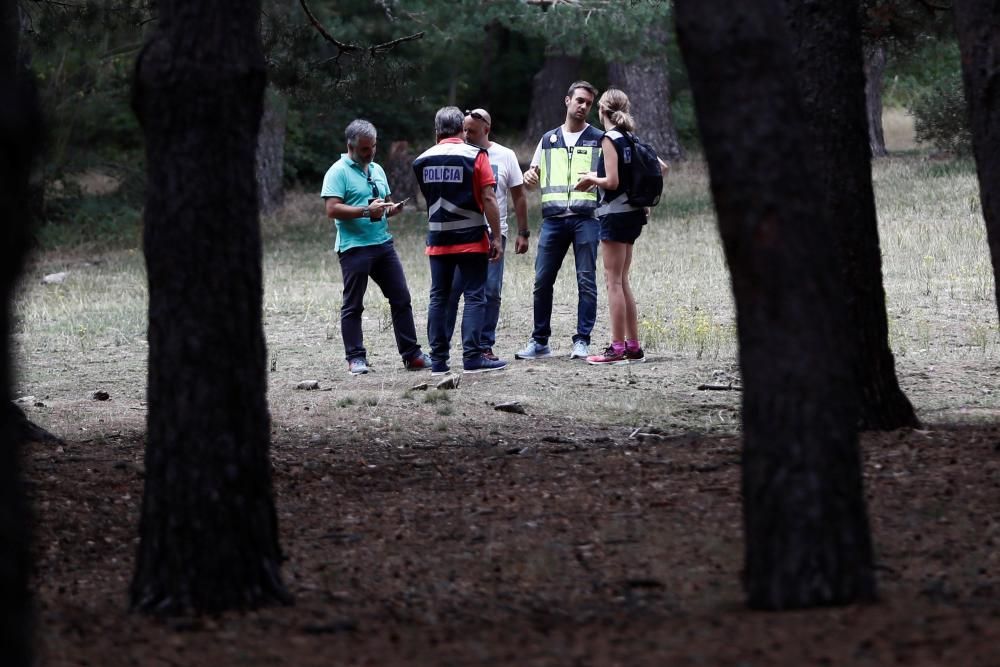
(580, 350)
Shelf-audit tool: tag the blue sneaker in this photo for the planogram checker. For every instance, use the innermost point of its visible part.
(439, 368)
(482, 364)
(358, 366)
(533, 350)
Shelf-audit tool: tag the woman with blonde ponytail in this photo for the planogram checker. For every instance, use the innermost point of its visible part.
(621, 224)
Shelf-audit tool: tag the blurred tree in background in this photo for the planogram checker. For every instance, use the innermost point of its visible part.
(514, 57)
(898, 33)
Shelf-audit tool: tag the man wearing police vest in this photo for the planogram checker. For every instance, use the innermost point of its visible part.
(457, 183)
(568, 219)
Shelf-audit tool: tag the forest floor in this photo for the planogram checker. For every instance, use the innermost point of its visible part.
(601, 528)
(440, 531)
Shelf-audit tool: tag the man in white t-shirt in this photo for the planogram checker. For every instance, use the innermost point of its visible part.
(509, 179)
(569, 220)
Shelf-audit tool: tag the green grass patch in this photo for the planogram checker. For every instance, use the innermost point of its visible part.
(434, 397)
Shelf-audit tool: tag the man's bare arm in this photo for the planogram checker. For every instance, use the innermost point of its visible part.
(521, 211)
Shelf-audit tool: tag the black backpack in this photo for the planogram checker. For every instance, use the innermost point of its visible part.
(646, 185)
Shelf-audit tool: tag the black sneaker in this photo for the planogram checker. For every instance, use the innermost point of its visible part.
(482, 364)
(421, 362)
(636, 357)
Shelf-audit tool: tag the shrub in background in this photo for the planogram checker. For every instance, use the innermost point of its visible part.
(941, 118)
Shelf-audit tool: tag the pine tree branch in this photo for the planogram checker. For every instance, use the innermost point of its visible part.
(353, 48)
(344, 48)
(387, 46)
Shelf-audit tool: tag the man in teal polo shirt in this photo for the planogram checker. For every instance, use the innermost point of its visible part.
(357, 198)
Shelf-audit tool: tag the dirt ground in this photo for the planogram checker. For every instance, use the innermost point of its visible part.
(601, 527)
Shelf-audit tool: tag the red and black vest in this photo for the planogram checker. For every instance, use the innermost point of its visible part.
(446, 173)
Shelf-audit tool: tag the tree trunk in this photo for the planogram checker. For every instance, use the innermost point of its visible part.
(399, 170)
(10, 30)
(806, 526)
(831, 79)
(492, 45)
(208, 528)
(20, 136)
(271, 153)
(647, 84)
(978, 28)
(874, 76)
(548, 93)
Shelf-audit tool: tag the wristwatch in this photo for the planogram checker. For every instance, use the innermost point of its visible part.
(524, 233)
(366, 212)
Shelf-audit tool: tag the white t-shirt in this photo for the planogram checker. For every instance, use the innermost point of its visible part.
(508, 174)
(569, 138)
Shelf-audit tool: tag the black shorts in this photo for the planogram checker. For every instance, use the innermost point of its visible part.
(622, 227)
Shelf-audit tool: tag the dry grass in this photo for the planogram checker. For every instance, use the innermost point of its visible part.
(898, 130)
(89, 332)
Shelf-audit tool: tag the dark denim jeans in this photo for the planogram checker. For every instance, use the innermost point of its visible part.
(494, 285)
(381, 263)
(554, 240)
(465, 272)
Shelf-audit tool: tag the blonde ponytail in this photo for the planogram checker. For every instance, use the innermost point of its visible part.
(615, 105)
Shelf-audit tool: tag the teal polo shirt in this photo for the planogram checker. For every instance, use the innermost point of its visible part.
(346, 180)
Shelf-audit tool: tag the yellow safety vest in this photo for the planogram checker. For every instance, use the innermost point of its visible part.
(560, 169)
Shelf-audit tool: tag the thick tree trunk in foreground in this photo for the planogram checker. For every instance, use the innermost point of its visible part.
(20, 135)
(827, 38)
(548, 94)
(647, 84)
(209, 535)
(978, 26)
(271, 153)
(874, 78)
(807, 536)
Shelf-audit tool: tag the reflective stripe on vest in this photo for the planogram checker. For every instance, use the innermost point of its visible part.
(560, 169)
(618, 205)
(466, 218)
(446, 175)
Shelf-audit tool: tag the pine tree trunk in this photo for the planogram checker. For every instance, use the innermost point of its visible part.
(831, 77)
(208, 528)
(492, 46)
(875, 58)
(10, 31)
(20, 137)
(647, 84)
(805, 521)
(978, 28)
(398, 166)
(548, 94)
(270, 159)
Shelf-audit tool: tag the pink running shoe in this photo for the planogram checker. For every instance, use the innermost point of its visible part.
(610, 356)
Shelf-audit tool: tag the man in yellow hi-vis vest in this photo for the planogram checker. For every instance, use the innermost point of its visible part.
(568, 219)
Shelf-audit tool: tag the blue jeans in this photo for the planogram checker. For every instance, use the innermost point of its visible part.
(467, 271)
(381, 263)
(554, 241)
(494, 285)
